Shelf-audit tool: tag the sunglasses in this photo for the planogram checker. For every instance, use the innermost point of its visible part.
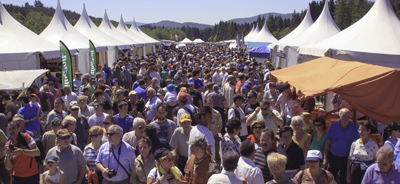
(318, 125)
(111, 134)
(168, 159)
(64, 137)
(140, 127)
(257, 127)
(106, 123)
(264, 109)
(74, 109)
(94, 135)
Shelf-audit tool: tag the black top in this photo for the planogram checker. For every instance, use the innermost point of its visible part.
(294, 154)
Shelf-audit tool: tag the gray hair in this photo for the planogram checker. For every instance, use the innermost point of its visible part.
(297, 119)
(137, 120)
(386, 151)
(152, 91)
(83, 97)
(116, 129)
(139, 76)
(216, 87)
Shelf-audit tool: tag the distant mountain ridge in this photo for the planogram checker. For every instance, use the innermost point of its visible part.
(172, 24)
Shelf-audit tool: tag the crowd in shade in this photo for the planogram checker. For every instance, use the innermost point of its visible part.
(199, 114)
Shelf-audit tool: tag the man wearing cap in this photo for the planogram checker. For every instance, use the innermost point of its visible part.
(77, 80)
(236, 111)
(205, 117)
(20, 152)
(72, 160)
(115, 155)
(229, 90)
(151, 105)
(49, 138)
(82, 126)
(179, 139)
(246, 168)
(29, 113)
(185, 107)
(271, 117)
(201, 165)
(69, 96)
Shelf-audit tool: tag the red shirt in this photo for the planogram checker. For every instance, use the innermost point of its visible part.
(23, 165)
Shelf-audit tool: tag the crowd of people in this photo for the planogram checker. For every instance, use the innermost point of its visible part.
(201, 114)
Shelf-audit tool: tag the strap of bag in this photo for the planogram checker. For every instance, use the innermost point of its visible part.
(129, 175)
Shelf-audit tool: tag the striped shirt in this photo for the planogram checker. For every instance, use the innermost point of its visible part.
(260, 159)
(91, 154)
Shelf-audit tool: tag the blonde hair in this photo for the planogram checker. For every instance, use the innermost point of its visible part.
(183, 89)
(96, 129)
(277, 163)
(297, 119)
(68, 120)
(170, 154)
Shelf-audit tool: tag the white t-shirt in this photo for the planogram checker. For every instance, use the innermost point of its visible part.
(283, 101)
(157, 175)
(231, 114)
(95, 120)
(55, 178)
(202, 131)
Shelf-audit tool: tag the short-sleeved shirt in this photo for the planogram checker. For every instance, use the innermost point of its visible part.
(182, 110)
(23, 165)
(164, 129)
(341, 139)
(218, 98)
(202, 131)
(91, 154)
(155, 174)
(70, 161)
(52, 114)
(10, 107)
(131, 139)
(88, 111)
(196, 98)
(178, 141)
(81, 126)
(198, 83)
(152, 104)
(228, 144)
(49, 140)
(125, 123)
(373, 175)
(95, 120)
(250, 108)
(363, 152)
(294, 154)
(260, 159)
(29, 111)
(141, 93)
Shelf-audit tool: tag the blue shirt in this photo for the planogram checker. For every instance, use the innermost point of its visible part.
(165, 129)
(125, 123)
(125, 154)
(29, 111)
(135, 85)
(198, 83)
(341, 139)
(396, 148)
(373, 175)
(141, 93)
(152, 103)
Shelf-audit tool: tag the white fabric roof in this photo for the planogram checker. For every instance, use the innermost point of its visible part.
(125, 30)
(323, 28)
(304, 25)
(86, 27)
(60, 29)
(250, 34)
(17, 43)
(375, 37)
(186, 40)
(250, 37)
(198, 40)
(264, 35)
(109, 29)
(135, 29)
(18, 79)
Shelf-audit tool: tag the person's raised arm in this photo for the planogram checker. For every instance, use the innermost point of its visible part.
(252, 116)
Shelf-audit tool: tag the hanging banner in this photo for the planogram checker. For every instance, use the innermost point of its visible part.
(238, 40)
(66, 77)
(92, 59)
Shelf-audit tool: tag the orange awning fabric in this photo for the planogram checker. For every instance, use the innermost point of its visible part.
(371, 89)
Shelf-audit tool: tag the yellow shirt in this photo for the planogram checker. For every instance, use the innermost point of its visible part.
(302, 141)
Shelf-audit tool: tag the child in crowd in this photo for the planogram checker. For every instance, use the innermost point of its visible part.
(54, 175)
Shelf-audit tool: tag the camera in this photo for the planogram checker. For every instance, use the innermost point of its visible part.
(112, 173)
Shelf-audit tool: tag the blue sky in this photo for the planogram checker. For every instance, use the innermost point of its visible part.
(151, 11)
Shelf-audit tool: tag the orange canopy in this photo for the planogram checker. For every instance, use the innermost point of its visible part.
(371, 89)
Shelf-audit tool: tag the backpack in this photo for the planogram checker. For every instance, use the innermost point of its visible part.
(39, 145)
(237, 113)
(192, 115)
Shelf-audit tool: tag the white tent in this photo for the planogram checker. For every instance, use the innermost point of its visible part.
(250, 33)
(186, 41)
(60, 29)
(373, 39)
(264, 36)
(86, 27)
(19, 47)
(135, 29)
(323, 28)
(198, 40)
(18, 79)
(250, 37)
(304, 25)
(125, 30)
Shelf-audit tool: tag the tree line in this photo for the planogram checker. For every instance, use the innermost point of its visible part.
(36, 17)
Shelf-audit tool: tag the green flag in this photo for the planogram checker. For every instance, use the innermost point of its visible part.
(92, 59)
(66, 66)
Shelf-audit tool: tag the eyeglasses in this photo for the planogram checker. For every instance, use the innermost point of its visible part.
(75, 109)
(140, 127)
(94, 135)
(106, 123)
(64, 137)
(257, 127)
(264, 109)
(111, 134)
(318, 125)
